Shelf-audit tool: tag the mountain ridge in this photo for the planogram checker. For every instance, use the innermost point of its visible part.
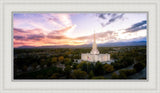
(114, 44)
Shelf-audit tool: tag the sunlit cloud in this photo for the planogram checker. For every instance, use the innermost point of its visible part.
(59, 19)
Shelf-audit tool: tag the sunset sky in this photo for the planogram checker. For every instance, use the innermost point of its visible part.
(45, 29)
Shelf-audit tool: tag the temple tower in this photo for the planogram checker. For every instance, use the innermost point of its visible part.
(94, 50)
(94, 55)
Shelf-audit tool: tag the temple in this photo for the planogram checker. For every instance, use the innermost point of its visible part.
(94, 55)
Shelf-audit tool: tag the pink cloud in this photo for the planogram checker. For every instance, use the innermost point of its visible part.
(65, 19)
(36, 37)
(58, 33)
(60, 19)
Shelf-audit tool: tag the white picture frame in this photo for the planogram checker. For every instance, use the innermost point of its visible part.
(152, 84)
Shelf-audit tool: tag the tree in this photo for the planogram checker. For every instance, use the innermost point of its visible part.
(91, 74)
(61, 59)
(83, 66)
(74, 65)
(67, 61)
(122, 74)
(99, 77)
(55, 76)
(67, 71)
(108, 68)
(39, 76)
(34, 65)
(43, 62)
(115, 76)
(99, 69)
(49, 72)
(78, 74)
(90, 67)
(114, 56)
(138, 66)
(54, 60)
(24, 68)
(67, 53)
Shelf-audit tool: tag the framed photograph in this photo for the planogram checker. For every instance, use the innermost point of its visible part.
(63, 46)
(80, 46)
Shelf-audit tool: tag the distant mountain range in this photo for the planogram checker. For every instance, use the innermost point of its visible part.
(133, 43)
(115, 44)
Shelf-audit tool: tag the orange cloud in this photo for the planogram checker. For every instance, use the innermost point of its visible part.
(58, 34)
(36, 37)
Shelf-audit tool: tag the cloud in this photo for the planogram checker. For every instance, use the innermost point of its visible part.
(36, 37)
(33, 37)
(102, 16)
(138, 26)
(109, 18)
(56, 37)
(39, 26)
(65, 19)
(18, 43)
(114, 18)
(102, 36)
(19, 37)
(16, 30)
(59, 20)
(59, 34)
(139, 39)
(24, 32)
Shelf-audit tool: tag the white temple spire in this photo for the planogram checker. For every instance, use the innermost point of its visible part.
(94, 55)
(94, 46)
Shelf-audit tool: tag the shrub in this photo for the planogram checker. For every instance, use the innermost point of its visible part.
(115, 76)
(99, 77)
(139, 66)
(78, 74)
(108, 68)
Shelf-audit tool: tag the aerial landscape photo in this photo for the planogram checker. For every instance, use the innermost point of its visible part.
(83, 46)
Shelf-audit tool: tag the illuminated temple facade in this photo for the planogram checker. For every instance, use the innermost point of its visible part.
(94, 55)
